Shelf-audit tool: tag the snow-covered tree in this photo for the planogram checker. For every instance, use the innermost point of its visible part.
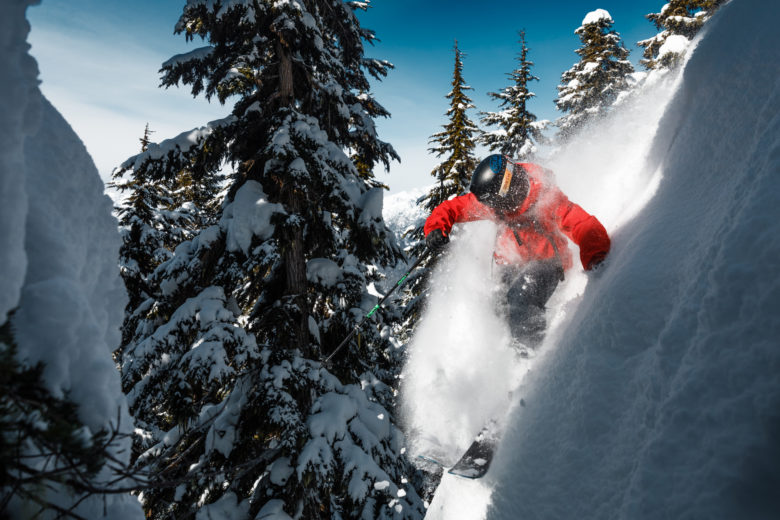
(456, 144)
(595, 81)
(144, 232)
(518, 130)
(223, 363)
(156, 215)
(678, 22)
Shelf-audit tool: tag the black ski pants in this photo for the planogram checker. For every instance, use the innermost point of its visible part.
(529, 287)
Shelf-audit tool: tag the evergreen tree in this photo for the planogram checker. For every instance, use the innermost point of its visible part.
(146, 139)
(156, 215)
(144, 232)
(680, 19)
(222, 367)
(518, 130)
(456, 143)
(594, 82)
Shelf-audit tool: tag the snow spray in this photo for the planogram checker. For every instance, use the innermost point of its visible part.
(460, 371)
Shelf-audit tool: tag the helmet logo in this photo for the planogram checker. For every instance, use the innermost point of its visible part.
(506, 182)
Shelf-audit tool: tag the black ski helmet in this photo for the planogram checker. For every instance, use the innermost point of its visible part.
(500, 183)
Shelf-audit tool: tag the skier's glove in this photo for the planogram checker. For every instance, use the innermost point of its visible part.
(436, 240)
(597, 261)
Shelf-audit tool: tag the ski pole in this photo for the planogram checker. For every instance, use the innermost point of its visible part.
(377, 306)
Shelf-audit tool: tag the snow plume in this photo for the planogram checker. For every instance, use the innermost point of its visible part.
(460, 370)
(605, 167)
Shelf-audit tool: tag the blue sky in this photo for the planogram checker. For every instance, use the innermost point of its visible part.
(99, 61)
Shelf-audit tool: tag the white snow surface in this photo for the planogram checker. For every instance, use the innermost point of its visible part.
(323, 271)
(273, 510)
(656, 392)
(675, 44)
(229, 507)
(181, 143)
(248, 216)
(58, 251)
(72, 300)
(370, 205)
(19, 108)
(596, 16)
(663, 388)
(200, 53)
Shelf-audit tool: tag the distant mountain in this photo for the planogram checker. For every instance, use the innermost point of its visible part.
(401, 212)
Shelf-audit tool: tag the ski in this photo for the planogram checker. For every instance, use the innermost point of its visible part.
(475, 462)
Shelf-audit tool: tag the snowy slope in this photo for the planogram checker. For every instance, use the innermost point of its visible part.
(58, 258)
(661, 398)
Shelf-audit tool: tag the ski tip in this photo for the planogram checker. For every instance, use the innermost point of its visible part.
(469, 473)
(471, 468)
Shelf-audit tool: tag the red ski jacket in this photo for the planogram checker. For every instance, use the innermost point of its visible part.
(536, 229)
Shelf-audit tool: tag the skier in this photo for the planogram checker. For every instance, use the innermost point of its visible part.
(531, 251)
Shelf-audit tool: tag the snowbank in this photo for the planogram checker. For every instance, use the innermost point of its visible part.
(18, 106)
(661, 397)
(58, 257)
(72, 299)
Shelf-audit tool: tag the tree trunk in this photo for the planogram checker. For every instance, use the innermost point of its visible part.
(294, 258)
(286, 92)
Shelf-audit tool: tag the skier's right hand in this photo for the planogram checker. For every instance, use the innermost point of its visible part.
(436, 240)
(596, 262)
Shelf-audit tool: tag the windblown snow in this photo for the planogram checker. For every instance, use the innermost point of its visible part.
(656, 393)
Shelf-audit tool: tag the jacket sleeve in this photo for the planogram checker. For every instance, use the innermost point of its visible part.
(584, 230)
(463, 208)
